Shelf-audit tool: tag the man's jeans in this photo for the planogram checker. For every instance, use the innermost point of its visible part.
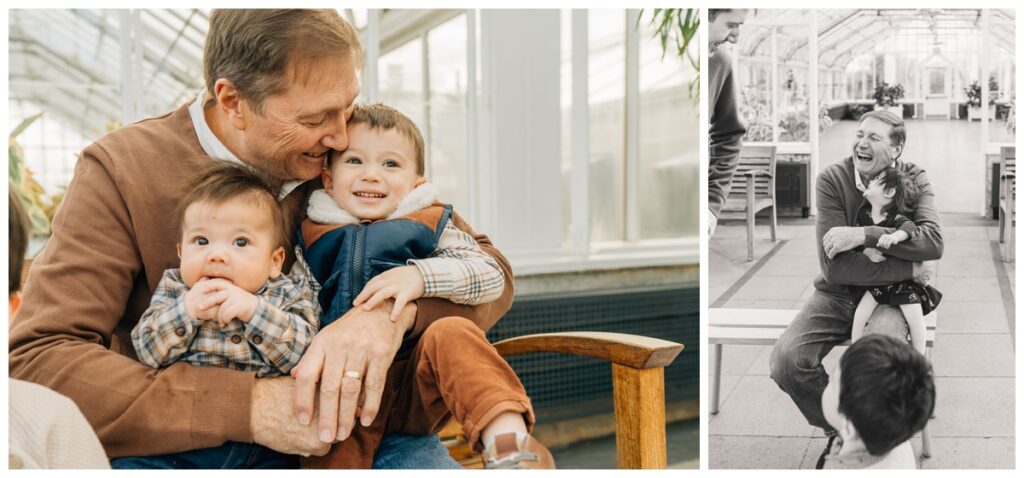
(412, 452)
(396, 452)
(824, 322)
(229, 456)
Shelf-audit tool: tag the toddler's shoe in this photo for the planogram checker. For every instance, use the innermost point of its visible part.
(506, 452)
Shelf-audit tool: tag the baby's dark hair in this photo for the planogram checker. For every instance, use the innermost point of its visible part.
(886, 391)
(221, 181)
(906, 191)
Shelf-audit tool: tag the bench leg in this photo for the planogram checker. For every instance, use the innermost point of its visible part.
(926, 434)
(773, 211)
(750, 234)
(716, 376)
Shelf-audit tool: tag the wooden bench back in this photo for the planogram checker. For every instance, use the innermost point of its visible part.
(755, 158)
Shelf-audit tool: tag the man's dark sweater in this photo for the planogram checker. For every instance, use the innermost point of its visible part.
(839, 200)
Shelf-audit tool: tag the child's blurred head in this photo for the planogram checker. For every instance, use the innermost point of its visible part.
(893, 189)
(881, 393)
(232, 227)
(18, 228)
(383, 163)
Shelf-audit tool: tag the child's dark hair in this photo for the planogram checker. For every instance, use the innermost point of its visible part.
(221, 181)
(906, 191)
(886, 391)
(18, 228)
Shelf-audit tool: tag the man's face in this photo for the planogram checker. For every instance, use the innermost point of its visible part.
(372, 176)
(873, 151)
(300, 125)
(725, 28)
(234, 240)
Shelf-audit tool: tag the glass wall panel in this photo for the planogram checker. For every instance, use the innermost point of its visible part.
(607, 85)
(447, 165)
(669, 198)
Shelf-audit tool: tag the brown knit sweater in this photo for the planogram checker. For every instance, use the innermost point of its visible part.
(113, 237)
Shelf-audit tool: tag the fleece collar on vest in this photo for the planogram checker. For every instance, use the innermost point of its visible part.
(323, 210)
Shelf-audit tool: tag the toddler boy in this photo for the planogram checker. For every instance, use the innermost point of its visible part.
(881, 394)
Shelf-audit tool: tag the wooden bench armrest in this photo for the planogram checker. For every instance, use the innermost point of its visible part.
(624, 349)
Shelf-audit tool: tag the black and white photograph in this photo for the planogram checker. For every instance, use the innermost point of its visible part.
(861, 261)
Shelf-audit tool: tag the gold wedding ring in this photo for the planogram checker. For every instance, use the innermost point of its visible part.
(353, 374)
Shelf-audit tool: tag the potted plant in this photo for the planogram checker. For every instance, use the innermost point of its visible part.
(675, 29)
(973, 92)
(886, 96)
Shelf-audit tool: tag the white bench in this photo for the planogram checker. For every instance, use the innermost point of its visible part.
(763, 327)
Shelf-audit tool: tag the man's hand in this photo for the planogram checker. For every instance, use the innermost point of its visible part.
(404, 284)
(842, 239)
(924, 272)
(360, 343)
(272, 424)
(712, 223)
(874, 254)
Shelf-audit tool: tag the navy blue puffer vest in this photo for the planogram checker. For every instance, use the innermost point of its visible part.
(344, 258)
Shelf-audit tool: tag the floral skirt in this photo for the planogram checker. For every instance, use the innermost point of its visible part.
(907, 292)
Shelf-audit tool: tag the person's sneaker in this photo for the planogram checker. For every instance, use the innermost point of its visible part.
(505, 452)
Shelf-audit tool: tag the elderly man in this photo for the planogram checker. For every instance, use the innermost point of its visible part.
(280, 86)
(726, 126)
(827, 317)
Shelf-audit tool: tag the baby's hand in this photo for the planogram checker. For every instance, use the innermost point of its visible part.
(235, 303)
(874, 254)
(197, 300)
(886, 241)
(404, 284)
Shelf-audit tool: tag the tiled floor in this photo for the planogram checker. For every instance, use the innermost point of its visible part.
(759, 427)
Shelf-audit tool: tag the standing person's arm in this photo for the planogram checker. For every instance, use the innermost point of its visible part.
(725, 133)
(77, 293)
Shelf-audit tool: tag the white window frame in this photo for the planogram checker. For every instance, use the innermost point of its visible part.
(580, 254)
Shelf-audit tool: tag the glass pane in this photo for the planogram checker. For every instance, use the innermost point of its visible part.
(401, 82)
(753, 78)
(565, 97)
(446, 147)
(607, 83)
(792, 99)
(669, 199)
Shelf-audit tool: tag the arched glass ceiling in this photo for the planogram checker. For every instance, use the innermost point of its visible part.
(845, 34)
(69, 63)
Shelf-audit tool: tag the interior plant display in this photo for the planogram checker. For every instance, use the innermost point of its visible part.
(973, 92)
(755, 112)
(887, 95)
(39, 207)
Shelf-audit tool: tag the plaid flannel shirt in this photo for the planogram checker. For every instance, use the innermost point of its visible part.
(460, 271)
(285, 321)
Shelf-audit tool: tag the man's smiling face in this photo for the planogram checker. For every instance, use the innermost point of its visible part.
(873, 150)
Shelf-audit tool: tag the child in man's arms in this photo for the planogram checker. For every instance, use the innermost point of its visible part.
(229, 305)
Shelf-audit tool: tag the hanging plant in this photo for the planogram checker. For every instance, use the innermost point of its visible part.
(675, 29)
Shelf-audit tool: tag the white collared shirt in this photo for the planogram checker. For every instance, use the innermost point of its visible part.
(215, 148)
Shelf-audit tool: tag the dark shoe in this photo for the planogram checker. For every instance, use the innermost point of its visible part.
(508, 453)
